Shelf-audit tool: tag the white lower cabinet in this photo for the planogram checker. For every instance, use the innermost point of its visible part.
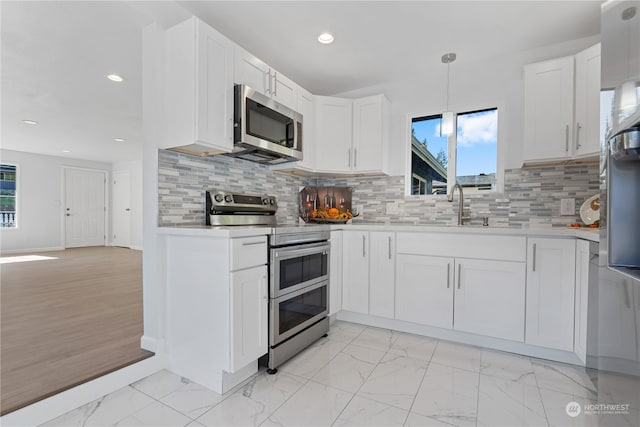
(581, 299)
(489, 298)
(550, 292)
(381, 274)
(249, 316)
(355, 271)
(335, 273)
(424, 292)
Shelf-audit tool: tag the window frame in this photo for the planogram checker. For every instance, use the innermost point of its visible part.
(17, 195)
(452, 159)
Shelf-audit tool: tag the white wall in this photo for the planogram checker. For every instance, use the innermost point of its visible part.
(496, 82)
(134, 167)
(40, 192)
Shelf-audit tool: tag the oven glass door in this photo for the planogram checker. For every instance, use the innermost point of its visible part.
(296, 311)
(297, 267)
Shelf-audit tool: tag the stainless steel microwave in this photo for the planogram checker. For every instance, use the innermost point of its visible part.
(265, 131)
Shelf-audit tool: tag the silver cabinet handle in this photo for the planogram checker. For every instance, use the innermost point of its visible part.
(389, 247)
(459, 274)
(364, 252)
(349, 165)
(578, 127)
(275, 85)
(534, 258)
(355, 157)
(627, 298)
(566, 138)
(267, 79)
(252, 243)
(448, 275)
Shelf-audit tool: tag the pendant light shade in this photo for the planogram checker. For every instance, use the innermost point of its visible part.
(448, 117)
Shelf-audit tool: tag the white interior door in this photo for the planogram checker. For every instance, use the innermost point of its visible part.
(84, 207)
(122, 209)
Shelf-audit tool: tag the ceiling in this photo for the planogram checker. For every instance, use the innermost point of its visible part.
(56, 55)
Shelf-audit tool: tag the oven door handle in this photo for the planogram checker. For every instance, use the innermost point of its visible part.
(294, 252)
(301, 291)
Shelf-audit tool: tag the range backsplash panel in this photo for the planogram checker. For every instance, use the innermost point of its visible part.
(531, 197)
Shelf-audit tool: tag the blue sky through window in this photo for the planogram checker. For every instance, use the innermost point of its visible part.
(477, 136)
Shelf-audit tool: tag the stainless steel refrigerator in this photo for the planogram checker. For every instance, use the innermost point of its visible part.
(616, 341)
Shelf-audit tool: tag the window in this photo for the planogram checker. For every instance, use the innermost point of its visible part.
(8, 181)
(468, 157)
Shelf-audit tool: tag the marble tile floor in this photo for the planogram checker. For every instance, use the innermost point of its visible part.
(364, 376)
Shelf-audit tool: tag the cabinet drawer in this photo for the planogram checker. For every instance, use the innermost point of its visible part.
(503, 248)
(248, 252)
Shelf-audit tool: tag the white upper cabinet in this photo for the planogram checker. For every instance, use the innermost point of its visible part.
(333, 136)
(550, 292)
(370, 134)
(351, 135)
(198, 89)
(306, 108)
(254, 73)
(562, 108)
(548, 109)
(587, 102)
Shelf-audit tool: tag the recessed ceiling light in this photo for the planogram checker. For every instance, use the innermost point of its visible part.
(325, 38)
(115, 78)
(118, 139)
(30, 122)
(66, 151)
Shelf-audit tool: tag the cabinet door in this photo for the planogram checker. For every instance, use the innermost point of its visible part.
(582, 299)
(335, 273)
(424, 290)
(199, 88)
(249, 304)
(490, 298)
(284, 90)
(251, 71)
(214, 89)
(333, 126)
(355, 271)
(306, 108)
(369, 133)
(382, 274)
(587, 102)
(548, 110)
(550, 293)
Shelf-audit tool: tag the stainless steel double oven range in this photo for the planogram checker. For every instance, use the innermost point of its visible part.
(298, 272)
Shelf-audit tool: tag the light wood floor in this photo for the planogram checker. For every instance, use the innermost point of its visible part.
(68, 320)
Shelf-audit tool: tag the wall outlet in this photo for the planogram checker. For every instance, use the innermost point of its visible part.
(392, 208)
(568, 206)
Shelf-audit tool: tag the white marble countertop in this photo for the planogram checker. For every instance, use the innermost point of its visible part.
(591, 234)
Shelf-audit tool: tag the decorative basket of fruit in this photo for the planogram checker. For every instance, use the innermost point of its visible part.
(330, 216)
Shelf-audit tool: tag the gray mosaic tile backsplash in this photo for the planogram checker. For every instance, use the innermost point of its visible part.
(531, 196)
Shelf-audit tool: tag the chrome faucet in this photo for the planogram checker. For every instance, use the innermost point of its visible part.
(461, 218)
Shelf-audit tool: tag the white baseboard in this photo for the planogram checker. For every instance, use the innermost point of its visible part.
(136, 248)
(26, 251)
(461, 337)
(75, 397)
(153, 345)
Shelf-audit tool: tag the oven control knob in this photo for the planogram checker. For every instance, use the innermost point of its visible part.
(228, 198)
(265, 201)
(218, 198)
(272, 201)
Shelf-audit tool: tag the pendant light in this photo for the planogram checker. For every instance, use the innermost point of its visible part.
(446, 126)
